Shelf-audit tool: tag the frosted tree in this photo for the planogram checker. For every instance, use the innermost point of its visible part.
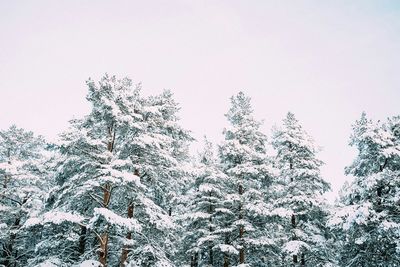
(299, 190)
(24, 181)
(368, 213)
(244, 160)
(90, 170)
(118, 168)
(205, 211)
(168, 169)
(159, 153)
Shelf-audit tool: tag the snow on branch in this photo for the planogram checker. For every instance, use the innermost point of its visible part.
(54, 217)
(295, 247)
(227, 249)
(130, 224)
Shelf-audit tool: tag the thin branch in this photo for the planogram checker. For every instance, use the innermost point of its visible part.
(16, 201)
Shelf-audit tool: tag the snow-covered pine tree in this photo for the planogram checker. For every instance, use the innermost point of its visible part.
(118, 167)
(168, 172)
(102, 156)
(298, 191)
(244, 160)
(159, 154)
(24, 182)
(368, 213)
(90, 170)
(204, 212)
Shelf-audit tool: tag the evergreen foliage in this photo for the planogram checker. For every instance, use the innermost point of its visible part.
(121, 188)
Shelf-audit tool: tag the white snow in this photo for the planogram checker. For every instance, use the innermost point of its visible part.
(129, 223)
(90, 263)
(55, 217)
(228, 249)
(294, 247)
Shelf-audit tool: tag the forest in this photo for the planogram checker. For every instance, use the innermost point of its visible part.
(121, 188)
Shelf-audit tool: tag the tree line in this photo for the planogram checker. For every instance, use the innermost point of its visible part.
(120, 188)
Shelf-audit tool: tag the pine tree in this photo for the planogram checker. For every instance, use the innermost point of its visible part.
(117, 169)
(159, 153)
(299, 190)
(367, 217)
(244, 160)
(24, 176)
(205, 212)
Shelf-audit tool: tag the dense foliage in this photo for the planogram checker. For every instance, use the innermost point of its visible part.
(120, 188)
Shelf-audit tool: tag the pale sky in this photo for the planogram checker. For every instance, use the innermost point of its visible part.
(326, 61)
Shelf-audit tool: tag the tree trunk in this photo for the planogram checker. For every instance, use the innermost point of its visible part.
(226, 260)
(241, 250)
(103, 253)
(295, 259)
(125, 250)
(194, 261)
(226, 256)
(380, 188)
(293, 221)
(241, 228)
(104, 248)
(210, 251)
(303, 260)
(82, 240)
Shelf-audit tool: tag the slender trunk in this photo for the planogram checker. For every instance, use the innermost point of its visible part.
(5, 181)
(103, 253)
(82, 240)
(303, 260)
(241, 250)
(194, 261)
(104, 248)
(210, 247)
(226, 255)
(104, 237)
(295, 259)
(241, 228)
(211, 259)
(226, 260)
(125, 250)
(293, 217)
(380, 188)
(293, 221)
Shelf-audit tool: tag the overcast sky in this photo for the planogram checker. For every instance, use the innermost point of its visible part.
(326, 61)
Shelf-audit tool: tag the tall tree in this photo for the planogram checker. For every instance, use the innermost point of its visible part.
(243, 157)
(159, 154)
(367, 217)
(299, 189)
(24, 176)
(118, 167)
(205, 211)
